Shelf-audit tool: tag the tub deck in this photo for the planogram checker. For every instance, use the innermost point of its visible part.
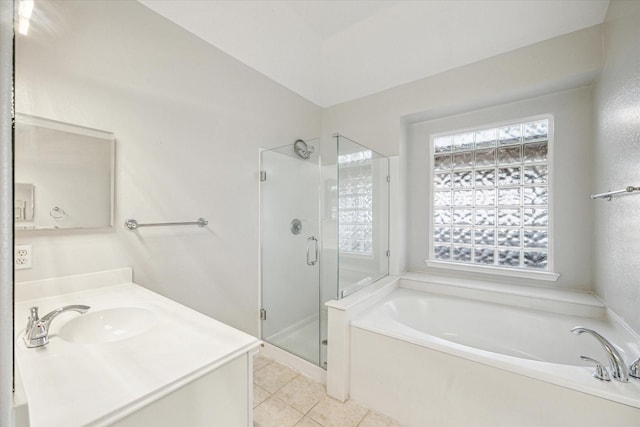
(450, 354)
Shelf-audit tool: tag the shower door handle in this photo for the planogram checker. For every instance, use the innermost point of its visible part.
(315, 241)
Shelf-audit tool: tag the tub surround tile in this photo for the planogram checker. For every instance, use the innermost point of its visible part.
(259, 395)
(302, 393)
(333, 413)
(273, 412)
(273, 376)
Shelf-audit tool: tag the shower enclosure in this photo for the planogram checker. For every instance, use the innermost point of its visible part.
(324, 210)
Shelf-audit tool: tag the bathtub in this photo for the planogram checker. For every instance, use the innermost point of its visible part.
(431, 359)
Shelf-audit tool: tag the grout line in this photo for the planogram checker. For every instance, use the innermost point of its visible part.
(297, 375)
(267, 364)
(363, 417)
(314, 405)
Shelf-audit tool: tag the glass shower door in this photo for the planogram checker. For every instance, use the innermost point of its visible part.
(290, 248)
(362, 216)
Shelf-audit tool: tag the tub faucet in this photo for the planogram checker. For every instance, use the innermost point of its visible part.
(634, 369)
(36, 333)
(616, 362)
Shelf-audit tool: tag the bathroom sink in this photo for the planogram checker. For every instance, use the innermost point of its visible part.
(113, 324)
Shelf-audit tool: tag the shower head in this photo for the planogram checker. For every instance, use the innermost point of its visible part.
(303, 150)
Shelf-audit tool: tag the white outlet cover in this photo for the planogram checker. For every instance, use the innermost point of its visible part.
(22, 257)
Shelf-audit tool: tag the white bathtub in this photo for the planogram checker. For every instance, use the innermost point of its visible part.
(438, 360)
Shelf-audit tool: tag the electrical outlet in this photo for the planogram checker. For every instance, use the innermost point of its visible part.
(22, 257)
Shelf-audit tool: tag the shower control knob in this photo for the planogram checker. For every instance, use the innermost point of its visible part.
(296, 226)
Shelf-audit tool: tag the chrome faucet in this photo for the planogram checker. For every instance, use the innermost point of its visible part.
(616, 362)
(36, 333)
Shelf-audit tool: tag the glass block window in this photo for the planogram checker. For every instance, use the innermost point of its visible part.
(490, 196)
(355, 203)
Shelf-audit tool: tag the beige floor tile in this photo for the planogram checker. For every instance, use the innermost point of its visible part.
(373, 419)
(273, 412)
(282, 397)
(332, 413)
(259, 395)
(260, 361)
(273, 376)
(307, 422)
(302, 393)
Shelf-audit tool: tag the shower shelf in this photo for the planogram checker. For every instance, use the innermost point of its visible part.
(609, 194)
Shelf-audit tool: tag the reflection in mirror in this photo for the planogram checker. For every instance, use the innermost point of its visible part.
(65, 174)
(23, 203)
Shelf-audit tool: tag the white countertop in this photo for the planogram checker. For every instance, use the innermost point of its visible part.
(71, 384)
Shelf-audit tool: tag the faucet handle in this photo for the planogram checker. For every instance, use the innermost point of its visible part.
(600, 372)
(634, 369)
(33, 318)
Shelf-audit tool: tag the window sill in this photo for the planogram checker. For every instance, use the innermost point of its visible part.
(499, 271)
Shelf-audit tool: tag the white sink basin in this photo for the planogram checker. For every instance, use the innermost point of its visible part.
(113, 324)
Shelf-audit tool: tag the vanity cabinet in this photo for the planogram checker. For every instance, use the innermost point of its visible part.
(135, 358)
(221, 398)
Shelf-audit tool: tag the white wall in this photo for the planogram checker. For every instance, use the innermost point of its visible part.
(188, 121)
(617, 164)
(381, 121)
(570, 186)
(559, 63)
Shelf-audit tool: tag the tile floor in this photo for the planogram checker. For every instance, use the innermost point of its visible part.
(284, 398)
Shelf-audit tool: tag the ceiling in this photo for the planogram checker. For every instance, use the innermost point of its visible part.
(333, 51)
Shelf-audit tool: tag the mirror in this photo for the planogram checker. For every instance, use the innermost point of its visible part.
(64, 175)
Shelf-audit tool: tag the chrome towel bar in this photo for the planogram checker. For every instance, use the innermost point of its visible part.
(609, 194)
(132, 224)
